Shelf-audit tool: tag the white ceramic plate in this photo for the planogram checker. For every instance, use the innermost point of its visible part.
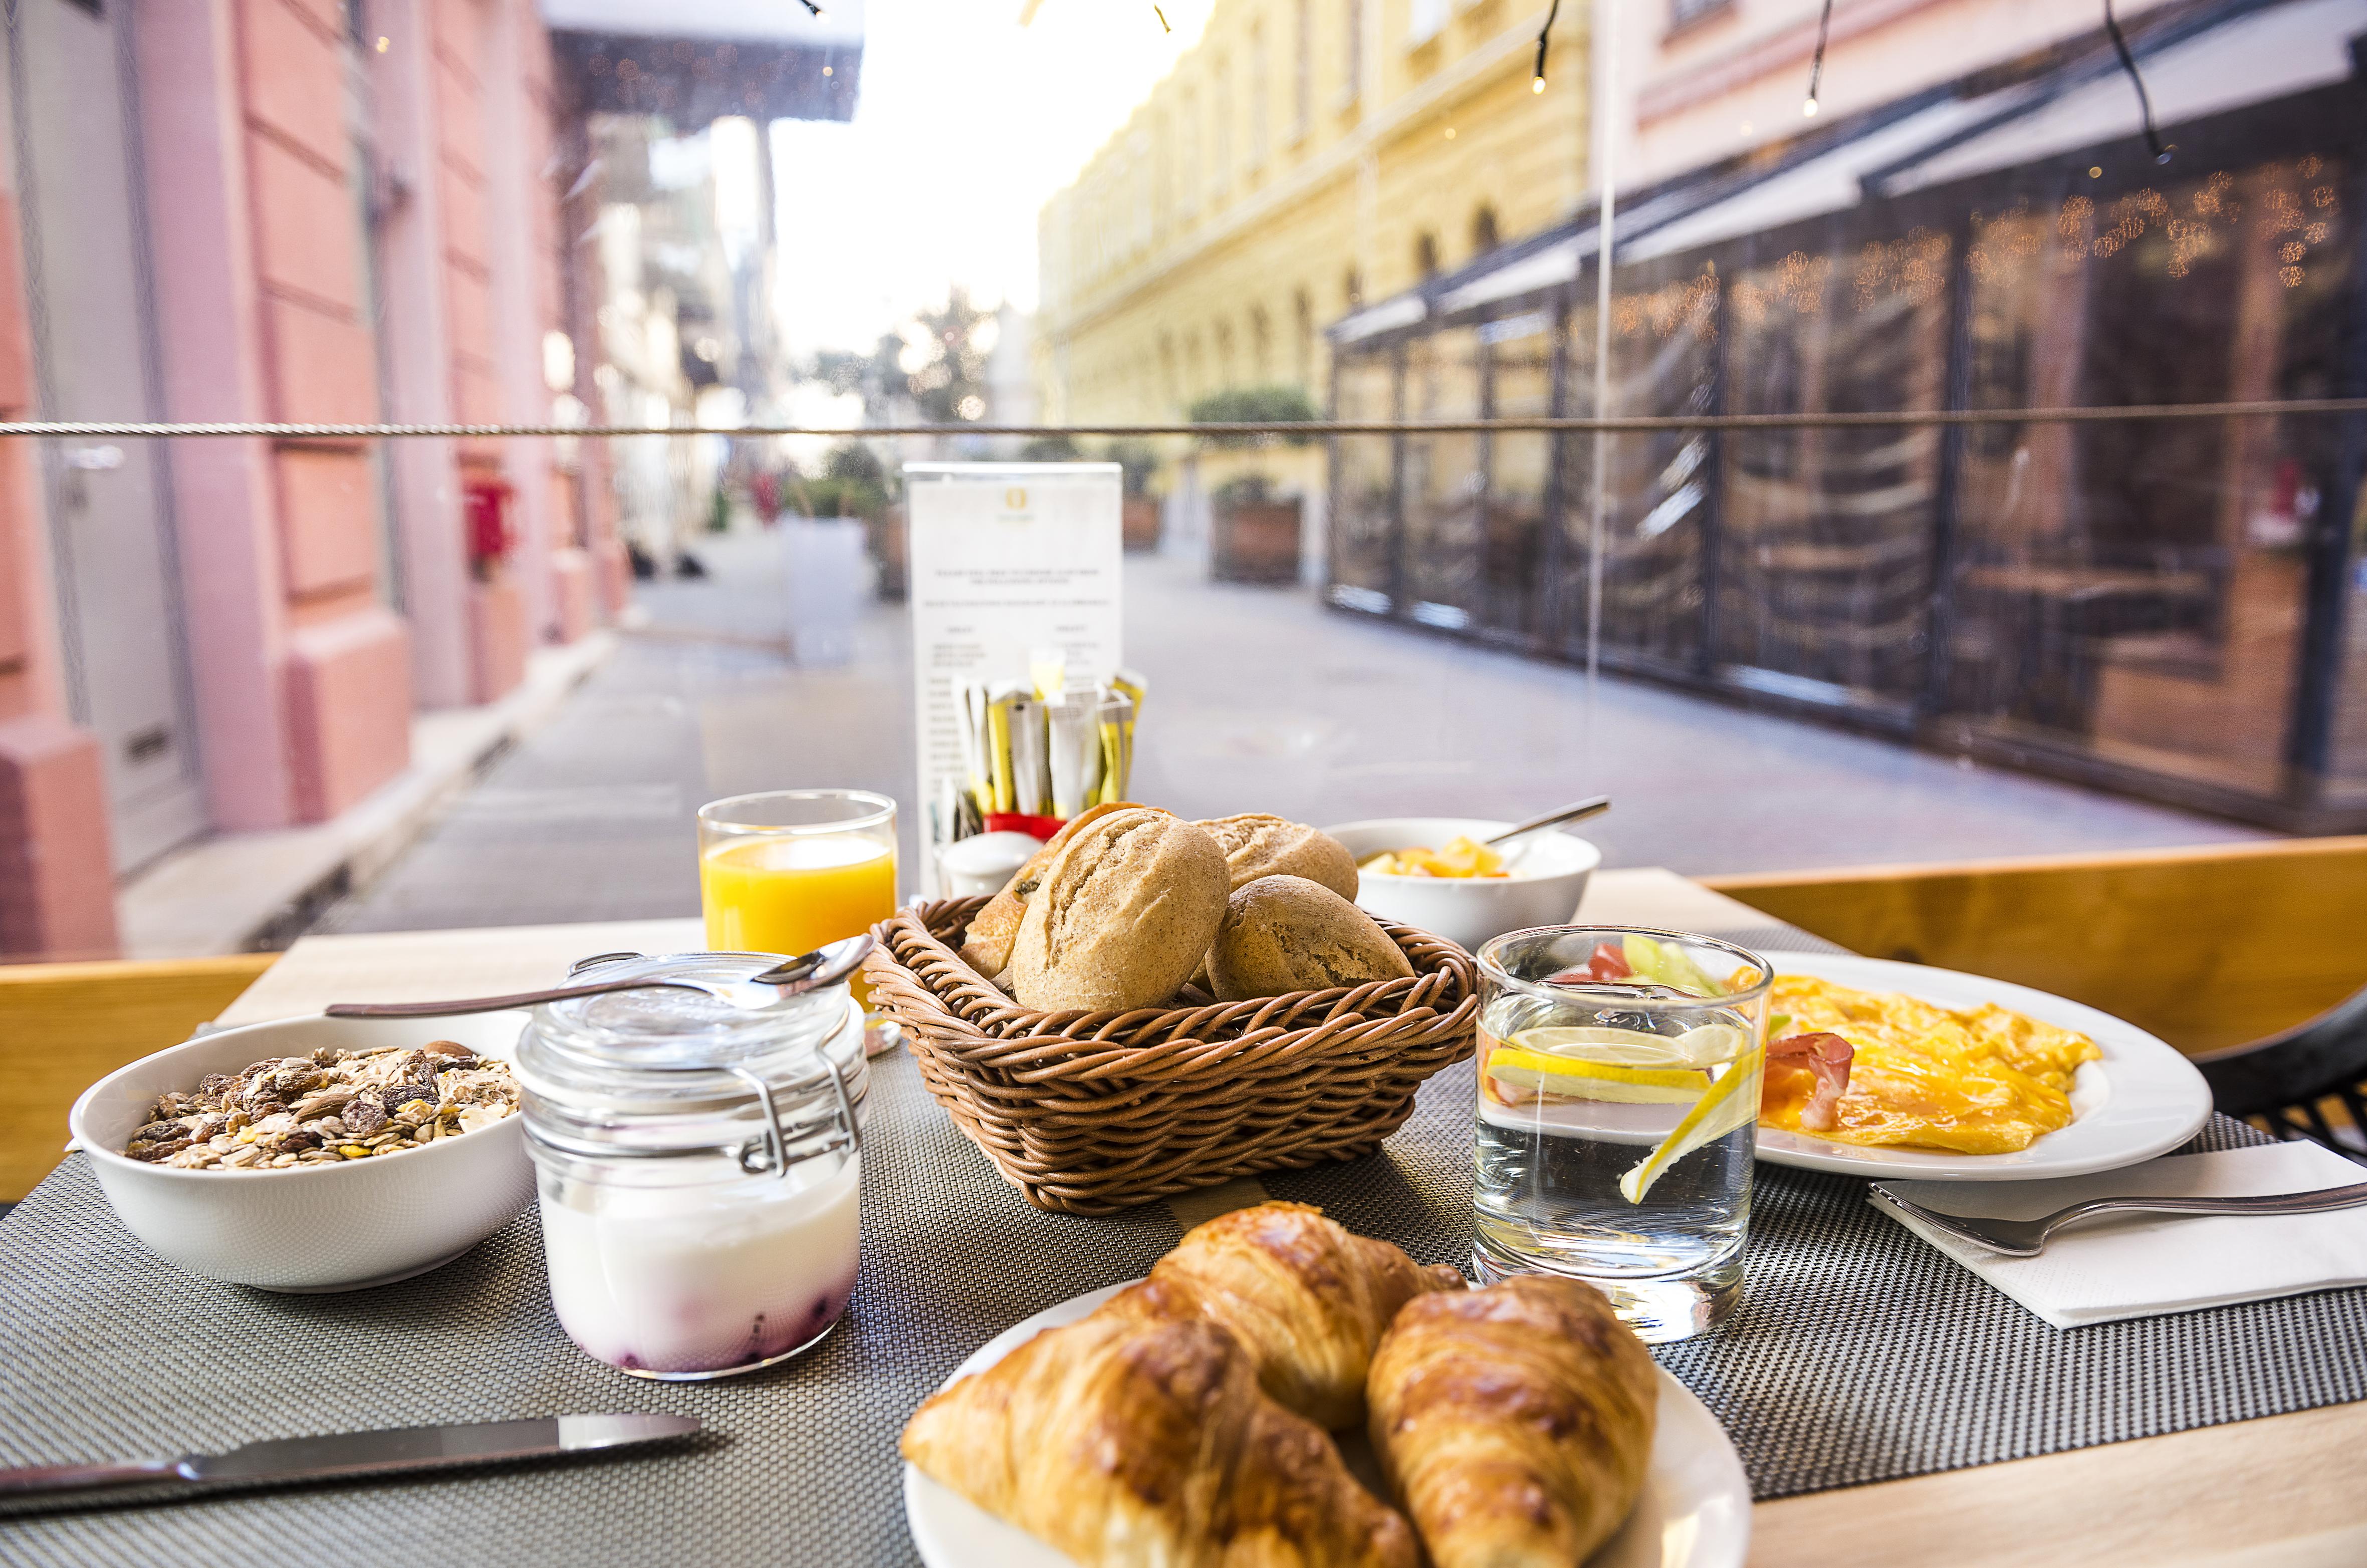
(1694, 1513)
(2142, 1100)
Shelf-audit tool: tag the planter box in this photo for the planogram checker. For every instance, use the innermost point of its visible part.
(1254, 542)
(1141, 524)
(886, 541)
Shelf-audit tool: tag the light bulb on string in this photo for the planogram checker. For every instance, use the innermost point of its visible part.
(1817, 66)
(1544, 34)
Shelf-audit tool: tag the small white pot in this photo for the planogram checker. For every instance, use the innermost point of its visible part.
(308, 1227)
(1551, 876)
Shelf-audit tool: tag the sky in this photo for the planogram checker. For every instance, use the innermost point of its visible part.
(965, 124)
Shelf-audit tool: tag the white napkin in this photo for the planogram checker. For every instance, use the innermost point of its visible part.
(2120, 1266)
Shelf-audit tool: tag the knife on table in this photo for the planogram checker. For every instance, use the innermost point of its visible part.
(357, 1454)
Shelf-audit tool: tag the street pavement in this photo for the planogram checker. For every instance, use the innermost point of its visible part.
(1260, 700)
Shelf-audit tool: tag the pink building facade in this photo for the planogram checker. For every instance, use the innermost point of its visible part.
(326, 222)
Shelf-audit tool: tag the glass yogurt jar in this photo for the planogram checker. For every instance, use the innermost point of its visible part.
(699, 1166)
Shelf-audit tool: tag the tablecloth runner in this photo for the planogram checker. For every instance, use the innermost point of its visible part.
(1859, 1355)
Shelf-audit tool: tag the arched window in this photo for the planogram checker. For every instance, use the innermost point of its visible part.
(1425, 255)
(1483, 231)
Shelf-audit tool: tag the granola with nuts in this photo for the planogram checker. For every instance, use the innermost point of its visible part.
(332, 1105)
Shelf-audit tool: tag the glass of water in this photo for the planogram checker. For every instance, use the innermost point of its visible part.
(1618, 1112)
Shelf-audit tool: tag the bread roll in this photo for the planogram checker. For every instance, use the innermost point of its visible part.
(1514, 1423)
(1285, 933)
(1121, 916)
(1258, 844)
(986, 946)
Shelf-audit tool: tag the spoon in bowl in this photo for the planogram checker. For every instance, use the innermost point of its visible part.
(807, 972)
(1593, 805)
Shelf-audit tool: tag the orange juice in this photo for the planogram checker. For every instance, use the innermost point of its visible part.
(792, 895)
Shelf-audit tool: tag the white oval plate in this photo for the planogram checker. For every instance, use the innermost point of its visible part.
(1694, 1513)
(2142, 1100)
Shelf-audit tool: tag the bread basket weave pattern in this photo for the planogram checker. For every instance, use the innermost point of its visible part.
(1091, 1113)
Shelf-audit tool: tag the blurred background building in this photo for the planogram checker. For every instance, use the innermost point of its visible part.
(2166, 608)
(342, 211)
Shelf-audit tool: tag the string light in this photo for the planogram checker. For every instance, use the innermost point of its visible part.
(1162, 19)
(1537, 82)
(2153, 143)
(1817, 66)
(813, 6)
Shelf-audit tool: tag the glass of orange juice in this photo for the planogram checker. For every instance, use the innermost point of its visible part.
(787, 871)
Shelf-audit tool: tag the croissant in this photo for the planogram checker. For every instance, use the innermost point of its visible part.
(1513, 1423)
(1125, 1440)
(1305, 1298)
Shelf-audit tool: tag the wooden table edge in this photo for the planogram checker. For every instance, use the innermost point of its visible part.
(2279, 1490)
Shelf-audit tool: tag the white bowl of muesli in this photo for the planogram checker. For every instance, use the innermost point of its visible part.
(314, 1153)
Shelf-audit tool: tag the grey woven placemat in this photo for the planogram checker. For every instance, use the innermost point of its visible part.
(1859, 1355)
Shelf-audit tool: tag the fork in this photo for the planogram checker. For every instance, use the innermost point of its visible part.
(2026, 1238)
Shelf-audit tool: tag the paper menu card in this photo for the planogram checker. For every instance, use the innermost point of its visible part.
(1003, 558)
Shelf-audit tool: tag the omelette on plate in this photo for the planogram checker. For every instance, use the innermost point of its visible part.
(1981, 1080)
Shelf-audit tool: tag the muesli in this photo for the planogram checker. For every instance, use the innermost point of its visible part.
(332, 1105)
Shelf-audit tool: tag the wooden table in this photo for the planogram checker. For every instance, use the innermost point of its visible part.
(2265, 1494)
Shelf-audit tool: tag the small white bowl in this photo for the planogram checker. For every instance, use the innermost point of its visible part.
(1550, 878)
(308, 1227)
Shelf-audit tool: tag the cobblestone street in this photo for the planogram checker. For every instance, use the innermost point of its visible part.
(1260, 700)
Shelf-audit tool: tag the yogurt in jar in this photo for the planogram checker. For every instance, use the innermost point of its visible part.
(704, 1279)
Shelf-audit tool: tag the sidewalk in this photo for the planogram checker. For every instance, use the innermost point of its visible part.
(1260, 699)
(241, 892)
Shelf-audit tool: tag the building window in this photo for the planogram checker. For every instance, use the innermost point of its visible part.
(1302, 69)
(1303, 306)
(1188, 134)
(1259, 118)
(1425, 255)
(1221, 175)
(1352, 289)
(1424, 20)
(1352, 51)
(1483, 231)
(1685, 13)
(1262, 344)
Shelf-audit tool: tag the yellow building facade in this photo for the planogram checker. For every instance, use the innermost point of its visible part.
(1302, 157)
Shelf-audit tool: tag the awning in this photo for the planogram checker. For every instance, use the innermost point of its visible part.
(1388, 316)
(2250, 59)
(1828, 182)
(697, 61)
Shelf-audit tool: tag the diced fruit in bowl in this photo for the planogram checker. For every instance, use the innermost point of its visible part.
(1543, 876)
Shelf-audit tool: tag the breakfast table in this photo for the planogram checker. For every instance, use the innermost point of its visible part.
(1888, 1406)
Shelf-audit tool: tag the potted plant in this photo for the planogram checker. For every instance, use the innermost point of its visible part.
(1253, 531)
(1139, 460)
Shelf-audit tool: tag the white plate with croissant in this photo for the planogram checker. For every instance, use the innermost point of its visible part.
(1190, 1418)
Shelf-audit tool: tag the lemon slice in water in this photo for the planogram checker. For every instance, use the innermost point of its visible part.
(1717, 1114)
(1588, 1079)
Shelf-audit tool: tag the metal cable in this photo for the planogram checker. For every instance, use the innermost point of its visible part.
(1627, 424)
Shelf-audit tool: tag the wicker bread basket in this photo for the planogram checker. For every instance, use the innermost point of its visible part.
(1091, 1113)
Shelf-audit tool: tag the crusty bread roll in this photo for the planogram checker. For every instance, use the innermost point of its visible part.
(986, 946)
(1121, 916)
(1285, 933)
(1258, 844)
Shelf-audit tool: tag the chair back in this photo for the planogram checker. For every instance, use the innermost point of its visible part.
(2290, 1081)
(64, 1026)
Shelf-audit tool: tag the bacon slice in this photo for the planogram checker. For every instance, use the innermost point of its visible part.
(1608, 964)
(1829, 1057)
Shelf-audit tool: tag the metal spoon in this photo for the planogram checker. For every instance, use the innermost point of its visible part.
(807, 972)
(1593, 807)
